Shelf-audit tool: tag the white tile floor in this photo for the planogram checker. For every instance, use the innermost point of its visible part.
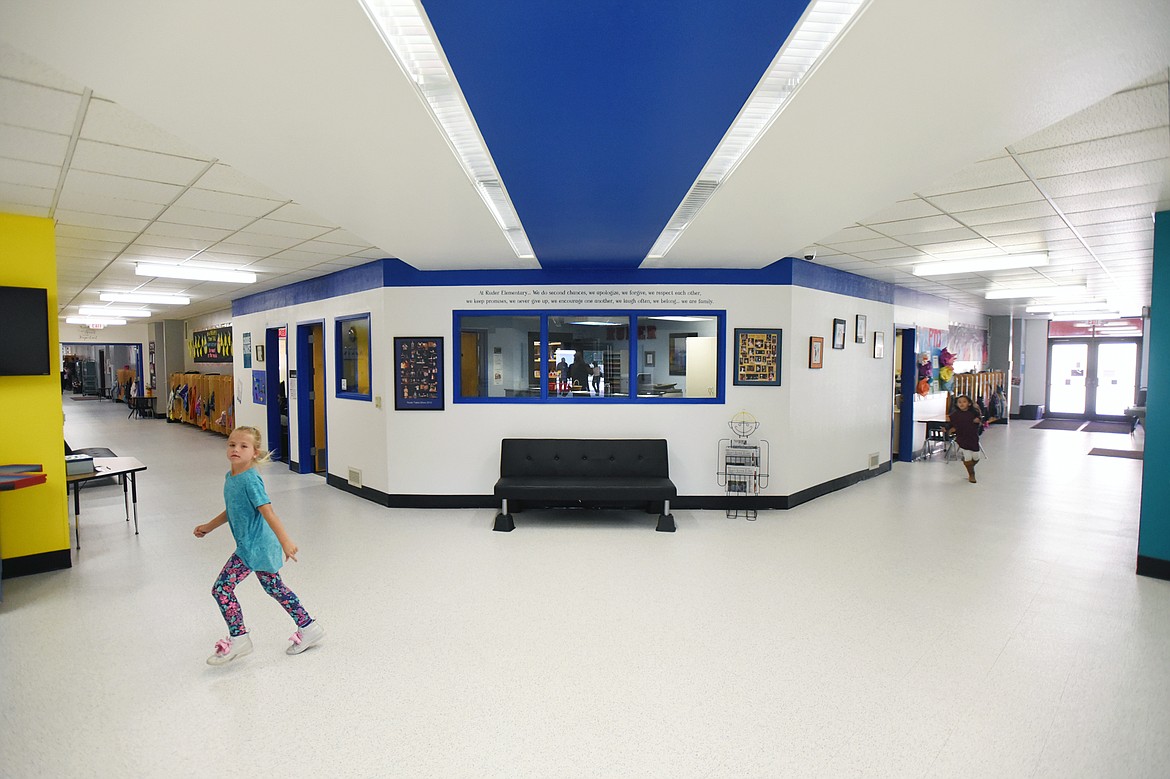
(912, 625)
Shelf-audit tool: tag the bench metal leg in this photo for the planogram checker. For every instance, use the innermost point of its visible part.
(504, 523)
(665, 519)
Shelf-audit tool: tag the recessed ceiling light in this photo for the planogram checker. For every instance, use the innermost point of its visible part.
(144, 297)
(194, 272)
(1006, 262)
(1037, 292)
(113, 312)
(93, 320)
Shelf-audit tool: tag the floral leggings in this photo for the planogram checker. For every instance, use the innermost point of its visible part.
(224, 592)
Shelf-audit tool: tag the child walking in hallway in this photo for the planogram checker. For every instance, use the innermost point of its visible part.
(261, 540)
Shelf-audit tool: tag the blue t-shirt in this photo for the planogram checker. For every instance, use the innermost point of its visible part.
(256, 544)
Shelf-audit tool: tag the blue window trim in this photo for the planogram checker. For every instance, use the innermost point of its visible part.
(338, 341)
(720, 317)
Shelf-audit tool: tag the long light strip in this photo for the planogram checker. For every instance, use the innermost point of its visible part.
(121, 313)
(144, 297)
(407, 32)
(1068, 308)
(1069, 290)
(814, 35)
(194, 273)
(1006, 262)
(93, 320)
(1086, 317)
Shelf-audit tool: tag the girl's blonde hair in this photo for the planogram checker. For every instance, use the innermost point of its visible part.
(262, 454)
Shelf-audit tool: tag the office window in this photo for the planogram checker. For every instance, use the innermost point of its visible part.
(353, 357)
(564, 357)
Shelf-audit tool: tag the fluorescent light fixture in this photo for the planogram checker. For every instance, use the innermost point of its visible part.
(194, 272)
(682, 318)
(1070, 290)
(814, 35)
(1093, 316)
(144, 297)
(122, 313)
(93, 320)
(1006, 262)
(407, 32)
(596, 323)
(1067, 308)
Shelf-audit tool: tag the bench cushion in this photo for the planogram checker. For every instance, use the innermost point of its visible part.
(609, 488)
(588, 458)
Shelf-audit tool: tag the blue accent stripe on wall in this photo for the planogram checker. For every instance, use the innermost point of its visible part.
(600, 115)
(395, 273)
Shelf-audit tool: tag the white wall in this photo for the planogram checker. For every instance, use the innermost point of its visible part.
(1034, 362)
(822, 424)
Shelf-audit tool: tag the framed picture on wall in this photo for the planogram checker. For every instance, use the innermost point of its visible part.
(816, 351)
(838, 333)
(757, 357)
(649, 359)
(879, 344)
(859, 334)
(418, 374)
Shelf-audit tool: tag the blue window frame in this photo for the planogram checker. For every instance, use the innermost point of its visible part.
(353, 357)
(568, 356)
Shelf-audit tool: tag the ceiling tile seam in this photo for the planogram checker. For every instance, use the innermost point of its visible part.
(78, 121)
(1062, 215)
(271, 254)
(142, 232)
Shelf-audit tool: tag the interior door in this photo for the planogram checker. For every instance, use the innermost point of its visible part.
(1115, 378)
(1067, 367)
(321, 461)
(1092, 379)
(469, 363)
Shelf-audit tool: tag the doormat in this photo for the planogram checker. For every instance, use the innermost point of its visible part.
(1107, 427)
(1129, 453)
(84, 397)
(1058, 424)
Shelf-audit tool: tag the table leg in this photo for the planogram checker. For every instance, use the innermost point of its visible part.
(126, 496)
(134, 493)
(77, 512)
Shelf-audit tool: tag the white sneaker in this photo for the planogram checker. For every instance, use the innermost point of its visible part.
(305, 637)
(228, 649)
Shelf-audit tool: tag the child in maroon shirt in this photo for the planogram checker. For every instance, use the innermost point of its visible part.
(965, 424)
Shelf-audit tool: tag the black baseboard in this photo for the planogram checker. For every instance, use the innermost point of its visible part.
(42, 562)
(703, 502)
(1146, 566)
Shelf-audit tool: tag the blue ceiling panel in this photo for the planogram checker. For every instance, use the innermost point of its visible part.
(599, 115)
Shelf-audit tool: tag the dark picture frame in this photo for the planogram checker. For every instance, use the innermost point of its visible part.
(757, 357)
(859, 329)
(418, 374)
(678, 353)
(648, 358)
(838, 333)
(816, 352)
(879, 344)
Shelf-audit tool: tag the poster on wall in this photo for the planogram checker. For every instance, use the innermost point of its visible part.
(247, 350)
(259, 387)
(212, 345)
(757, 357)
(418, 374)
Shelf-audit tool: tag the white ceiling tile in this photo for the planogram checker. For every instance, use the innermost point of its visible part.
(22, 143)
(37, 107)
(912, 227)
(183, 235)
(1128, 226)
(200, 218)
(84, 219)
(970, 200)
(109, 123)
(305, 257)
(135, 163)
(936, 237)
(850, 234)
(224, 178)
(913, 208)
(1106, 215)
(25, 200)
(294, 212)
(92, 203)
(988, 216)
(29, 174)
(1145, 196)
(343, 238)
(1100, 153)
(897, 253)
(1151, 173)
(208, 200)
(1126, 112)
(105, 185)
(145, 252)
(303, 231)
(249, 241)
(945, 250)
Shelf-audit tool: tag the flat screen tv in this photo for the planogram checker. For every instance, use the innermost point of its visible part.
(24, 331)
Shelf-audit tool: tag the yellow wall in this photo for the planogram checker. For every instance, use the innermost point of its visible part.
(33, 520)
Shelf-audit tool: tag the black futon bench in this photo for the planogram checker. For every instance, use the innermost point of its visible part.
(587, 472)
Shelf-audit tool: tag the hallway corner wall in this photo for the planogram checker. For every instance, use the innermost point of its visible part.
(1154, 528)
(34, 522)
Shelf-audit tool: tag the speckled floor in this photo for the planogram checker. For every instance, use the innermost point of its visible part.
(912, 625)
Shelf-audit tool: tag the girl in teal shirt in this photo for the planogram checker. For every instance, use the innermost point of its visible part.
(262, 545)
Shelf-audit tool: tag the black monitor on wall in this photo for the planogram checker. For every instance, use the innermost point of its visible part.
(24, 331)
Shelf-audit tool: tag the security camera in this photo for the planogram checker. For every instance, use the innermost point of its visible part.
(810, 257)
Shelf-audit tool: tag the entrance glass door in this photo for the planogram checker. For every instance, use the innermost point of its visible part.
(1067, 363)
(1092, 379)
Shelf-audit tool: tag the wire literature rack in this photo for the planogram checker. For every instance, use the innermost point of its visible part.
(743, 465)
